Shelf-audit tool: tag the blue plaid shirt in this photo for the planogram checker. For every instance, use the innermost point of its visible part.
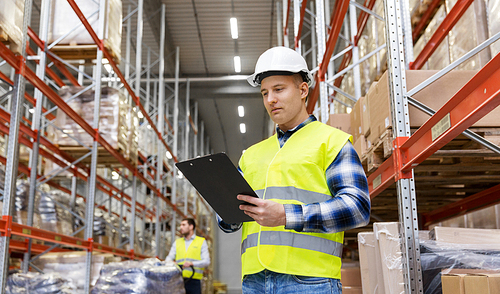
(349, 207)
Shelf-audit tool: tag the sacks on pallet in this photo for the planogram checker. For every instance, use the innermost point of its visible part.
(11, 23)
(150, 276)
(54, 215)
(118, 122)
(31, 282)
(21, 205)
(63, 20)
(71, 265)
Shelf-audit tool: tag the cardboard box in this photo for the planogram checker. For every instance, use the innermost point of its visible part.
(360, 145)
(341, 121)
(365, 112)
(356, 120)
(350, 276)
(434, 96)
(473, 238)
(368, 263)
(482, 283)
(387, 235)
(452, 283)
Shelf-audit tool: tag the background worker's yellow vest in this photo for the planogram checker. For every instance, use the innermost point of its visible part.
(294, 174)
(193, 253)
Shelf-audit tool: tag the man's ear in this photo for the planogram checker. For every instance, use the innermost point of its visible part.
(304, 90)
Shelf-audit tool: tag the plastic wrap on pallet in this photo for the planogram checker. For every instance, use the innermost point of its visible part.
(147, 141)
(49, 283)
(118, 121)
(150, 276)
(72, 265)
(54, 214)
(441, 57)
(11, 21)
(80, 211)
(21, 205)
(2, 178)
(493, 11)
(437, 256)
(63, 20)
(468, 32)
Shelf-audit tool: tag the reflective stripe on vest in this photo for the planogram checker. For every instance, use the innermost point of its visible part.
(294, 240)
(293, 174)
(193, 254)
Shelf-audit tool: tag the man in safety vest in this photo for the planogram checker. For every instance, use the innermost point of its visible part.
(311, 187)
(191, 253)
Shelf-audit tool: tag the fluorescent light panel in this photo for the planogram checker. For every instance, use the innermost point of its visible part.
(243, 128)
(241, 111)
(234, 27)
(237, 64)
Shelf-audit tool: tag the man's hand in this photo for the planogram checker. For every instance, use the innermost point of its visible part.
(187, 264)
(265, 212)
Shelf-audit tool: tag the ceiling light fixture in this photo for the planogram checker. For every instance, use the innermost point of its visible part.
(234, 27)
(237, 64)
(241, 111)
(243, 128)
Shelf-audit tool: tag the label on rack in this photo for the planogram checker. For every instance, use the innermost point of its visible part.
(377, 181)
(78, 242)
(27, 231)
(58, 238)
(99, 247)
(442, 126)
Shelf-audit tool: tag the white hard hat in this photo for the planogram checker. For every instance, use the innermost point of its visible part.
(280, 61)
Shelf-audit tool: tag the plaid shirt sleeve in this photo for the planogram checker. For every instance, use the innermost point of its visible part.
(350, 206)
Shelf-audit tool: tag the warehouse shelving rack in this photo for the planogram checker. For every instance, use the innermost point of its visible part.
(477, 98)
(150, 174)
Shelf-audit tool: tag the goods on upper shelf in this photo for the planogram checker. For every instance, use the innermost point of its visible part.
(71, 265)
(54, 212)
(78, 44)
(140, 277)
(118, 124)
(11, 23)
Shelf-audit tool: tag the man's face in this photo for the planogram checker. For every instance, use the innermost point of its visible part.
(284, 99)
(186, 228)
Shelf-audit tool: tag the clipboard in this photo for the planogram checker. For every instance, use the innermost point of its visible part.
(219, 182)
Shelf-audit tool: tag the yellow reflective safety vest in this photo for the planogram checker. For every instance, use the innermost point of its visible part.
(193, 254)
(293, 174)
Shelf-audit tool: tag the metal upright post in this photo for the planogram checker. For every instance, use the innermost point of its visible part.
(353, 27)
(148, 81)
(161, 130)
(13, 148)
(313, 38)
(320, 33)
(127, 47)
(279, 24)
(296, 21)
(131, 238)
(407, 32)
(138, 50)
(195, 135)
(36, 123)
(186, 145)
(407, 206)
(202, 140)
(89, 229)
(176, 131)
(285, 32)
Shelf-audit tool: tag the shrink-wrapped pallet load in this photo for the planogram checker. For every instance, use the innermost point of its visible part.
(150, 276)
(32, 282)
(54, 214)
(118, 122)
(63, 21)
(21, 205)
(11, 23)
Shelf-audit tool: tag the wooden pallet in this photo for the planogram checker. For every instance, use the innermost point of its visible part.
(104, 158)
(80, 51)
(379, 151)
(460, 169)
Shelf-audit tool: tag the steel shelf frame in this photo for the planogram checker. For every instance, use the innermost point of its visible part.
(478, 97)
(33, 139)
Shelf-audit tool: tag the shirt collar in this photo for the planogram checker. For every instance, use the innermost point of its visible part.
(308, 120)
(192, 238)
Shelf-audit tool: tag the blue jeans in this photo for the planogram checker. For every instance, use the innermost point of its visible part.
(275, 283)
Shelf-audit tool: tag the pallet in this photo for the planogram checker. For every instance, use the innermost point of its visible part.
(460, 169)
(104, 158)
(81, 51)
(378, 152)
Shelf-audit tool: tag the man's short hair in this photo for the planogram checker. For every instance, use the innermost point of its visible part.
(191, 222)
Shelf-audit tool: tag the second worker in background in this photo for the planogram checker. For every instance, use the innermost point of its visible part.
(311, 187)
(190, 252)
